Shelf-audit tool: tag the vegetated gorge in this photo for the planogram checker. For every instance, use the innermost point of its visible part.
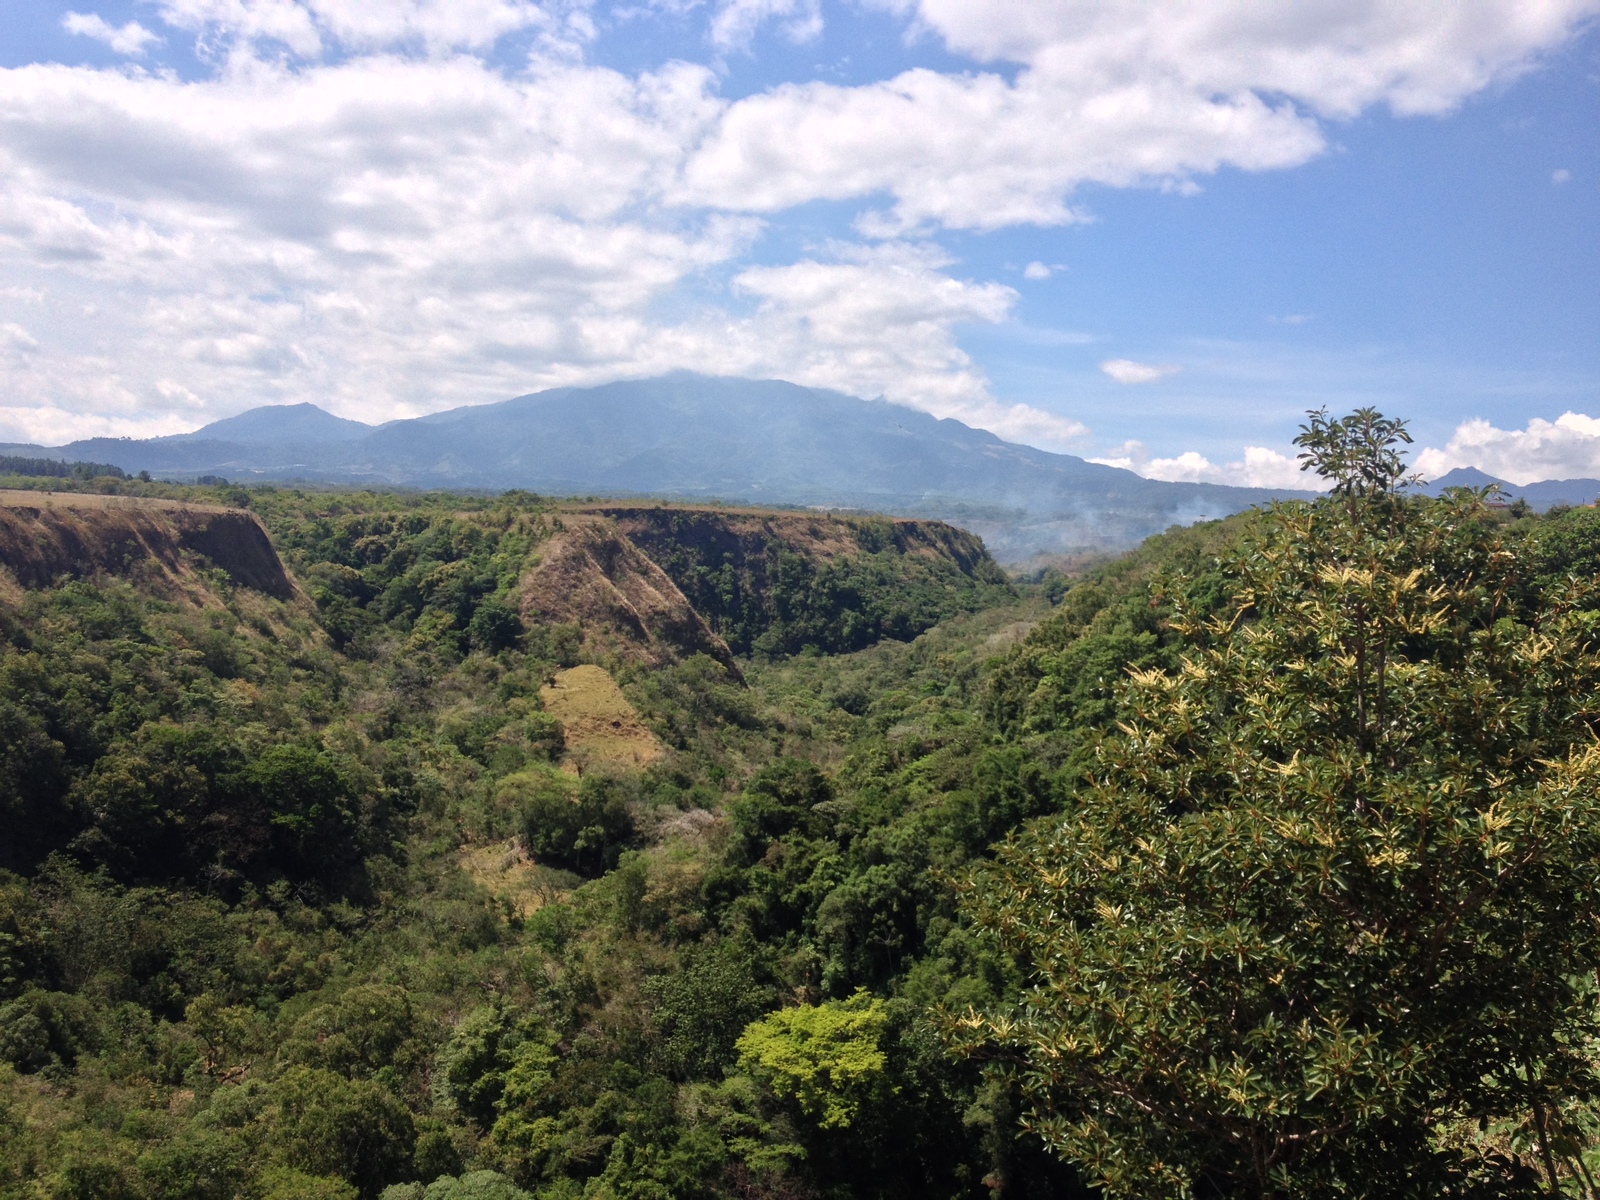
(363, 844)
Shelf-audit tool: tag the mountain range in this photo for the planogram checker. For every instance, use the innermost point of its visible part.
(1542, 495)
(693, 437)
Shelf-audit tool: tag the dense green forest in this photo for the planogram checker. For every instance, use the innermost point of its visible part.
(50, 468)
(813, 949)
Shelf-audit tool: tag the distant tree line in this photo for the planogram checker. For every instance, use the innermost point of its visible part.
(55, 468)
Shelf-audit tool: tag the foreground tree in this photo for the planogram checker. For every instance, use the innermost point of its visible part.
(1330, 905)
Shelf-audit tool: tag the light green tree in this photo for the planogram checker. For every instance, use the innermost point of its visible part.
(1332, 896)
(826, 1057)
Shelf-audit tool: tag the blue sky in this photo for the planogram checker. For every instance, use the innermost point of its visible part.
(1151, 233)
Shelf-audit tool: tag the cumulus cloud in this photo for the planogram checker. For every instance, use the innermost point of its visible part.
(388, 236)
(384, 234)
(131, 39)
(360, 205)
(1125, 370)
(1036, 271)
(978, 151)
(1260, 466)
(821, 323)
(1411, 55)
(1566, 448)
(829, 313)
(1118, 92)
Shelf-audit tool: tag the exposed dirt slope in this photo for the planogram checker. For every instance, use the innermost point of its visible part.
(45, 535)
(591, 575)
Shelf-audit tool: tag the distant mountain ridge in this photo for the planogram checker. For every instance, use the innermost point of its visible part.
(688, 436)
(277, 425)
(1542, 495)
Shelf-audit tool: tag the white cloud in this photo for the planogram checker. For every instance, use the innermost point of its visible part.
(823, 323)
(1125, 370)
(1414, 56)
(357, 207)
(250, 20)
(15, 337)
(1566, 448)
(1560, 175)
(1036, 271)
(307, 26)
(1118, 92)
(977, 151)
(1027, 424)
(132, 39)
(53, 425)
(736, 21)
(388, 236)
(384, 235)
(1260, 467)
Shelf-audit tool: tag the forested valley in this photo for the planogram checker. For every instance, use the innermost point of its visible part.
(869, 874)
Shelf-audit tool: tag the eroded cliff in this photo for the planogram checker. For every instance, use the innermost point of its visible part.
(45, 536)
(779, 581)
(591, 575)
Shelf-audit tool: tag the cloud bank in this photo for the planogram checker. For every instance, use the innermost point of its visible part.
(365, 206)
(1260, 466)
(1566, 448)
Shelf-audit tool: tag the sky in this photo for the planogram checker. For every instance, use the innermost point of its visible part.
(1148, 232)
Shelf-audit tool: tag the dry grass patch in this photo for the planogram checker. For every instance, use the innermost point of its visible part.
(602, 728)
(24, 498)
(508, 873)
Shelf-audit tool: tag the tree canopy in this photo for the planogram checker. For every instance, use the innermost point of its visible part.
(1327, 905)
(302, 897)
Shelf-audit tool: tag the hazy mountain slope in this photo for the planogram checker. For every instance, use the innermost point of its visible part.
(755, 440)
(277, 424)
(692, 436)
(1541, 495)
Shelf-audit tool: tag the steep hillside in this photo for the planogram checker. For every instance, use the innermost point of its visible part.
(590, 575)
(47, 535)
(777, 582)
